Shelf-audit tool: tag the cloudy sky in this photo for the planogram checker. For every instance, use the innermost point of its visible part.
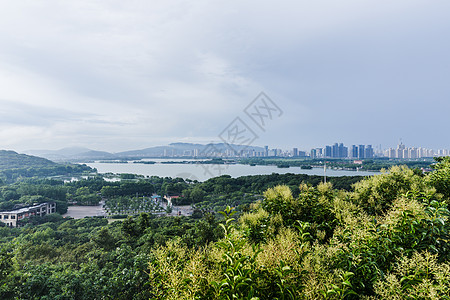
(120, 75)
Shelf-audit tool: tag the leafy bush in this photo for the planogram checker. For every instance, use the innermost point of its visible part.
(375, 194)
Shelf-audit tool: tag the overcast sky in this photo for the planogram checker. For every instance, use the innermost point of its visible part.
(121, 75)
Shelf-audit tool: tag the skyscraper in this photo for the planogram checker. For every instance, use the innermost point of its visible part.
(319, 152)
(335, 150)
(361, 151)
(343, 151)
(400, 149)
(354, 153)
(368, 152)
(391, 153)
(328, 151)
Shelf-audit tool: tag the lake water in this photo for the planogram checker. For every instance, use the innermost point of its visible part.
(202, 172)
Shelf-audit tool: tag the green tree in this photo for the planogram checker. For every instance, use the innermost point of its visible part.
(440, 177)
(104, 239)
(375, 194)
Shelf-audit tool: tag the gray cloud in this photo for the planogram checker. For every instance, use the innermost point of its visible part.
(117, 75)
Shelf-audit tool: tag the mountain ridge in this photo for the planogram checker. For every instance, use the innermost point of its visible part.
(12, 160)
(178, 149)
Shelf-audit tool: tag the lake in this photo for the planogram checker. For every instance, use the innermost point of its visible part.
(202, 172)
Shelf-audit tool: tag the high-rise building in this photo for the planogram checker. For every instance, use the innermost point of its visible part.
(368, 152)
(313, 153)
(266, 151)
(361, 151)
(343, 151)
(443, 152)
(354, 153)
(403, 152)
(338, 150)
(335, 150)
(319, 152)
(295, 152)
(391, 153)
(399, 150)
(413, 153)
(328, 151)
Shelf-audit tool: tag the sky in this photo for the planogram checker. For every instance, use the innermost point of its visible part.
(121, 75)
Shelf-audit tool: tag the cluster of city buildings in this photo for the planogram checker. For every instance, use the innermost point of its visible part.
(337, 150)
(367, 151)
(412, 152)
(341, 151)
(12, 217)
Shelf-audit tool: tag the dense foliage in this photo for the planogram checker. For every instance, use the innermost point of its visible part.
(13, 160)
(386, 237)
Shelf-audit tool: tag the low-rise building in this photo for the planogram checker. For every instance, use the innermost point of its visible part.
(10, 218)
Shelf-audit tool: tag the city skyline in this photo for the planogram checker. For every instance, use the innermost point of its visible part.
(363, 151)
(337, 150)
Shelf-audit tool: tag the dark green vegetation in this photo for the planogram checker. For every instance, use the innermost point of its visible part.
(34, 191)
(16, 167)
(375, 164)
(385, 237)
(219, 192)
(125, 196)
(12, 160)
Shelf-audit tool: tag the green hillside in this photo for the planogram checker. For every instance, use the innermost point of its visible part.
(15, 167)
(13, 160)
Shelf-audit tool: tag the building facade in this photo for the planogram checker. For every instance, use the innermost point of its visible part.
(10, 218)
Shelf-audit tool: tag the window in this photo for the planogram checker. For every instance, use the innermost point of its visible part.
(6, 217)
(13, 217)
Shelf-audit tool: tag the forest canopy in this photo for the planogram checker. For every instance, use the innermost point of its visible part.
(384, 237)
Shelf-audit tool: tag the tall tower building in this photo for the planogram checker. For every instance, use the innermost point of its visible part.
(413, 153)
(335, 150)
(369, 152)
(343, 151)
(328, 151)
(391, 153)
(319, 152)
(400, 152)
(361, 151)
(354, 152)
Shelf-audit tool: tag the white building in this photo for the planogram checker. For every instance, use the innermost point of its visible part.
(391, 153)
(10, 218)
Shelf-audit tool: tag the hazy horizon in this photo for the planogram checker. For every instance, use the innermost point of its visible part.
(116, 76)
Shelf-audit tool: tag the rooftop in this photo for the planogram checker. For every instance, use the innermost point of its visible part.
(24, 209)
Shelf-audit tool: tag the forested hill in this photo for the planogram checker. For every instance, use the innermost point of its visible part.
(13, 160)
(14, 167)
